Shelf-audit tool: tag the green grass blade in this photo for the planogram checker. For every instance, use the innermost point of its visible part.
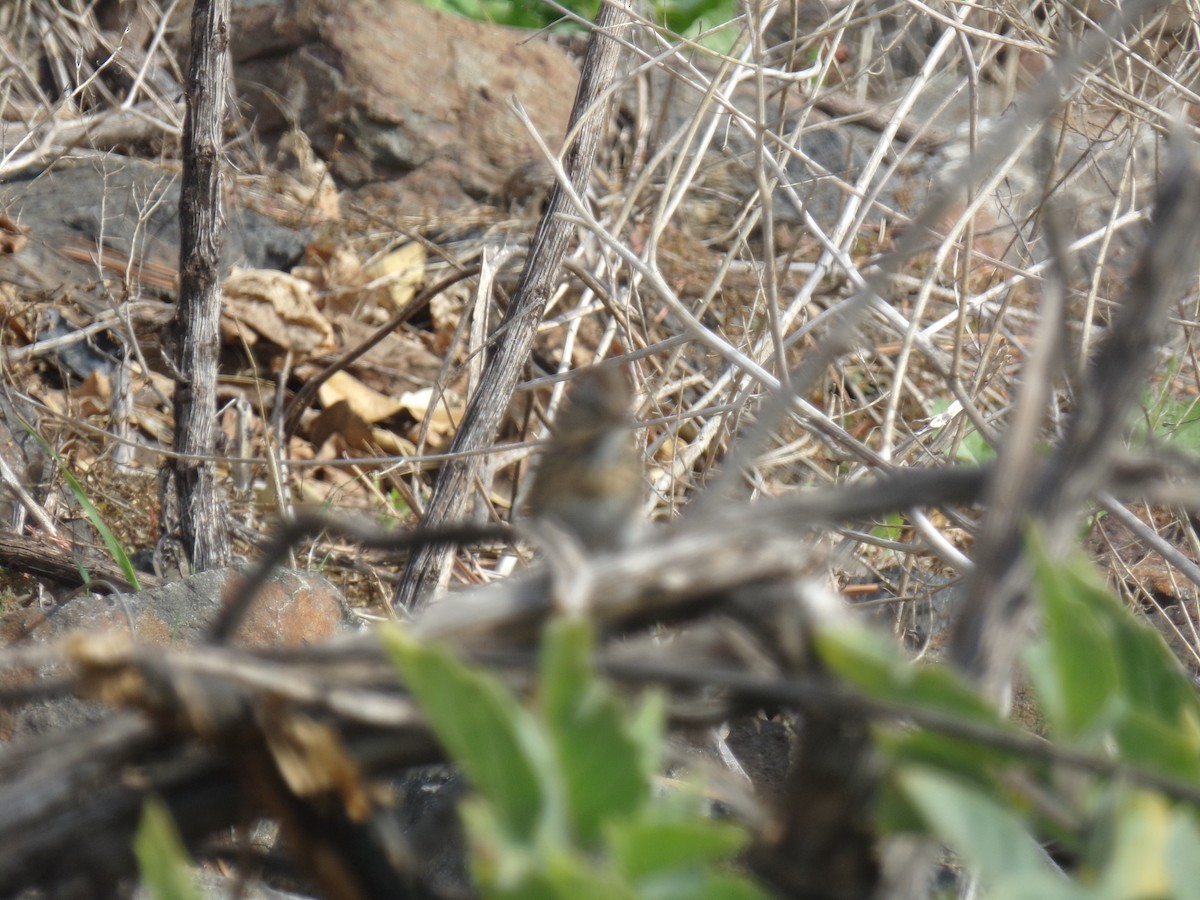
(115, 550)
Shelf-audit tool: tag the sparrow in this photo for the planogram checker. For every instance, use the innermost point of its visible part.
(590, 479)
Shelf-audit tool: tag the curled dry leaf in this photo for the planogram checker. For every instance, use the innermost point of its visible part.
(366, 402)
(404, 271)
(278, 307)
(341, 419)
(350, 406)
(391, 444)
(440, 412)
(331, 268)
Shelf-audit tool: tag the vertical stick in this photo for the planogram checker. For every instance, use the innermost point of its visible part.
(485, 411)
(201, 515)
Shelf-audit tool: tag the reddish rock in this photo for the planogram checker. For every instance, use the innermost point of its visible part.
(391, 89)
(293, 609)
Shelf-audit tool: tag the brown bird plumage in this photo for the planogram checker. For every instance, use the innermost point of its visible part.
(590, 479)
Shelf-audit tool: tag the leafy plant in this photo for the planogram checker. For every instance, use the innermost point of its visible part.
(1111, 692)
(565, 806)
(688, 18)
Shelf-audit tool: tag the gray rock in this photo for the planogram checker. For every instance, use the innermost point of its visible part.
(121, 209)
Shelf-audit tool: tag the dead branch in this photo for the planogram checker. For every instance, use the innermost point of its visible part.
(514, 338)
(200, 509)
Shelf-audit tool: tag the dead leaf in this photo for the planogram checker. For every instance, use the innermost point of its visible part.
(338, 418)
(278, 307)
(94, 394)
(446, 310)
(366, 402)
(391, 443)
(342, 421)
(443, 416)
(312, 759)
(404, 269)
(12, 236)
(334, 269)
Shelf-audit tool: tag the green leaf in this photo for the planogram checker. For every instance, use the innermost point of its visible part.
(1038, 886)
(600, 760)
(989, 838)
(1174, 420)
(973, 449)
(484, 729)
(972, 761)
(876, 666)
(546, 870)
(1082, 663)
(575, 875)
(648, 847)
(695, 885)
(646, 724)
(499, 861)
(891, 528)
(161, 857)
(1181, 423)
(1182, 854)
(1136, 863)
(1147, 742)
(1044, 681)
(1109, 674)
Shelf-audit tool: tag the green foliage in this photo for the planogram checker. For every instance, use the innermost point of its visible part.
(1181, 420)
(973, 449)
(484, 728)
(1107, 685)
(1176, 421)
(115, 550)
(688, 18)
(515, 13)
(1103, 676)
(890, 529)
(995, 840)
(399, 505)
(564, 807)
(691, 17)
(161, 857)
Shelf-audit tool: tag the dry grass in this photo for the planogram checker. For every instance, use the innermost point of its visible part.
(715, 295)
